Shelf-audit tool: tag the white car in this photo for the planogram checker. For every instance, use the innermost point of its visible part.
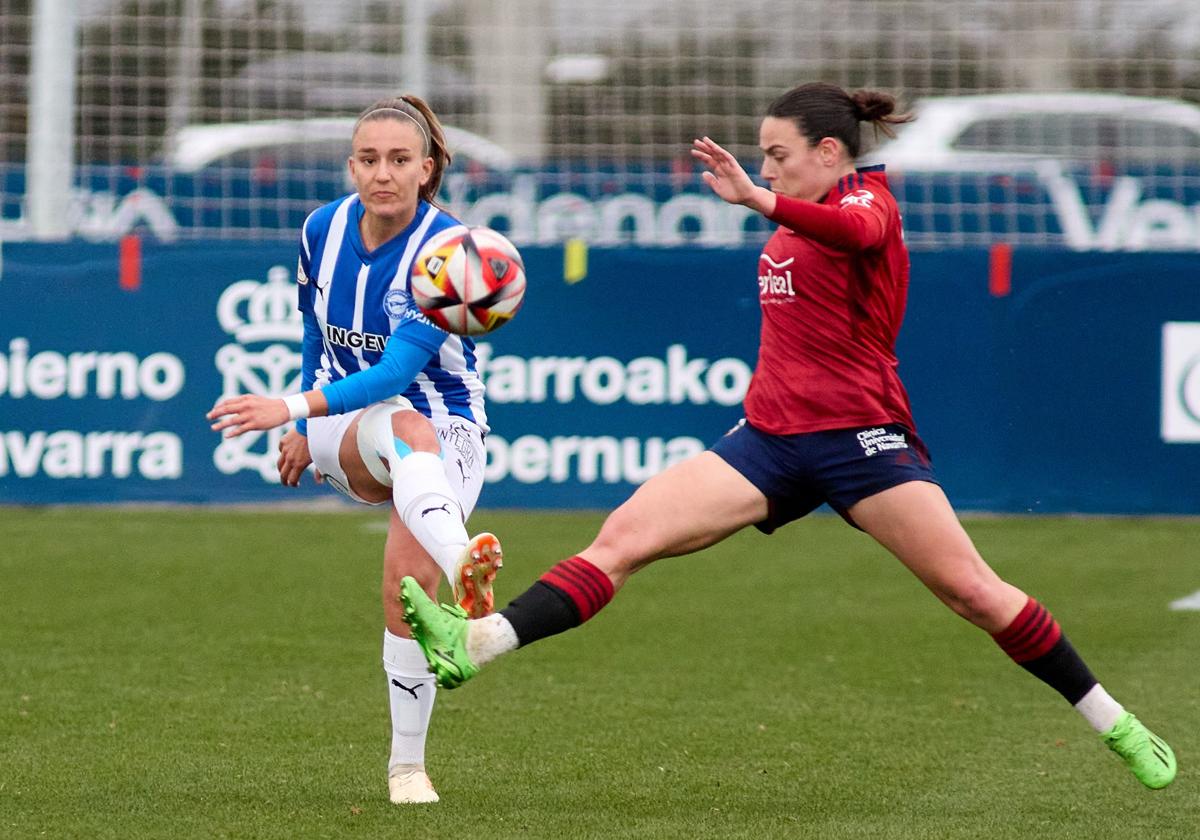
(301, 142)
(1012, 131)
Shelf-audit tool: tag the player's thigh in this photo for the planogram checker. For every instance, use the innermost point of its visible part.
(364, 465)
(326, 436)
(685, 508)
(916, 523)
(363, 484)
(464, 458)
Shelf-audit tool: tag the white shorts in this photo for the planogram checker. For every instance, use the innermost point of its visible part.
(463, 453)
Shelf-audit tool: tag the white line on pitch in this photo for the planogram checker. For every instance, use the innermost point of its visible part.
(1191, 602)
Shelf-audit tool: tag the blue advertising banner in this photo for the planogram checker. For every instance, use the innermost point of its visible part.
(1077, 388)
(596, 385)
(1080, 208)
(1062, 395)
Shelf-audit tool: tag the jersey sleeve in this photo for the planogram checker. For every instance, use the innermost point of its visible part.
(409, 349)
(858, 222)
(310, 358)
(304, 286)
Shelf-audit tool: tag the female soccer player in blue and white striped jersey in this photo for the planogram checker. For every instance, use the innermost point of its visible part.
(392, 406)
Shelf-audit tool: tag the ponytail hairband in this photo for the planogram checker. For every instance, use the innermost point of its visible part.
(415, 121)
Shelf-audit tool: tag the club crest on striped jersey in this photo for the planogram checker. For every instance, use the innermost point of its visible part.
(396, 302)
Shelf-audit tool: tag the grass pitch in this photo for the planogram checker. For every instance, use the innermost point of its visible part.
(196, 673)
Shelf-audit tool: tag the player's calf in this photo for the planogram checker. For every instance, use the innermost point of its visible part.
(441, 631)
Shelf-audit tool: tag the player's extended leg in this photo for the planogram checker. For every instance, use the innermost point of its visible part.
(393, 451)
(426, 538)
(411, 686)
(916, 523)
(686, 508)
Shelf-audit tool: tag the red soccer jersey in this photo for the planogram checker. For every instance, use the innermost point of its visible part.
(832, 284)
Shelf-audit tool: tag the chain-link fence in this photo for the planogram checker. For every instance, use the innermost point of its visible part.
(591, 100)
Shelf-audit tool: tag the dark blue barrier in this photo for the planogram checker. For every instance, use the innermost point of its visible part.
(1078, 207)
(1055, 397)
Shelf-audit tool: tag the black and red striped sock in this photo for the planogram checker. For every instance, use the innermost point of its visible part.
(564, 597)
(1036, 643)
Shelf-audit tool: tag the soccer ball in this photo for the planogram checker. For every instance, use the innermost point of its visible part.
(468, 281)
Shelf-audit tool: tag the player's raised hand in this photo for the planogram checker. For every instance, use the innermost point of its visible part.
(247, 413)
(725, 175)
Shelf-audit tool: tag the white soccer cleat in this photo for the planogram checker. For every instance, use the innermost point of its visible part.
(410, 786)
(476, 571)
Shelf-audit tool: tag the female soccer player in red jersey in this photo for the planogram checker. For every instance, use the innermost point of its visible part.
(826, 420)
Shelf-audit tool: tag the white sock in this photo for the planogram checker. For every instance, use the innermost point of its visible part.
(429, 507)
(1099, 708)
(488, 637)
(411, 689)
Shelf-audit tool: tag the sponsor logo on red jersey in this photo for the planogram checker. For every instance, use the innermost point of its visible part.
(775, 279)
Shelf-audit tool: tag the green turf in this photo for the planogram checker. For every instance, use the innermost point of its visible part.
(179, 673)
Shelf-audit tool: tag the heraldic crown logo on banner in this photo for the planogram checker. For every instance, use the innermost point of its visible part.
(264, 358)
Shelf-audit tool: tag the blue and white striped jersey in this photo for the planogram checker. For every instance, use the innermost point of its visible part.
(356, 302)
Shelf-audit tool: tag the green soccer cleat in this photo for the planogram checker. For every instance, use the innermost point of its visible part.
(441, 631)
(1148, 756)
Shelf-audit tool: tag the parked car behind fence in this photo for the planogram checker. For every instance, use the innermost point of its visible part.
(1080, 171)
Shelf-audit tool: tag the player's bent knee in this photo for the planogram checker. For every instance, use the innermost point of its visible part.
(976, 599)
(415, 430)
(620, 549)
(390, 430)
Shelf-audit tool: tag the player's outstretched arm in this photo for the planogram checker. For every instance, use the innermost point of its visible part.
(250, 412)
